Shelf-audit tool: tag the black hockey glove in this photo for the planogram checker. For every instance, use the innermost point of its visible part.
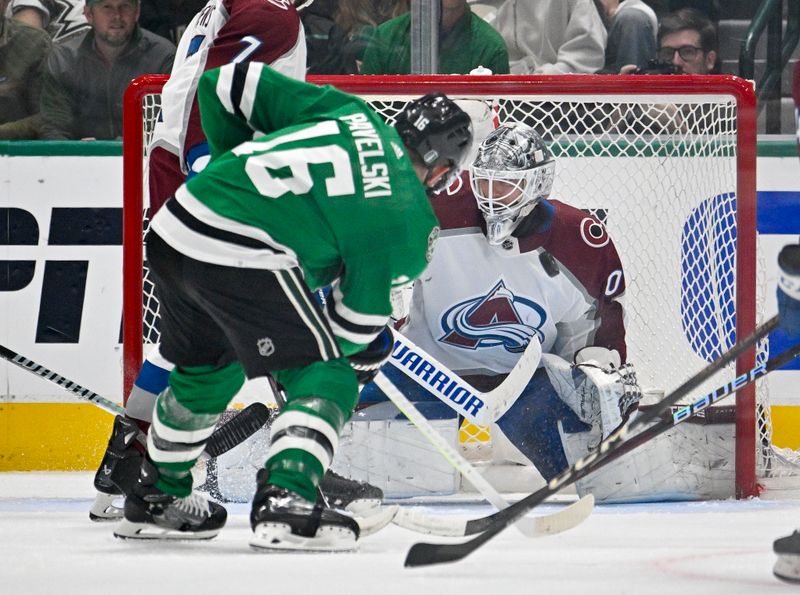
(368, 363)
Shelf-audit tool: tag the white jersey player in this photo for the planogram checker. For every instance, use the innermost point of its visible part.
(787, 566)
(224, 31)
(787, 549)
(512, 266)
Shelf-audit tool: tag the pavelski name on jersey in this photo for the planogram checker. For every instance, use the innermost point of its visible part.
(375, 174)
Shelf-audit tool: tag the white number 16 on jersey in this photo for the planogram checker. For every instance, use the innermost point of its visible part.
(297, 160)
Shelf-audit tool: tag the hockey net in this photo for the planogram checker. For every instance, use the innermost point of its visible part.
(667, 163)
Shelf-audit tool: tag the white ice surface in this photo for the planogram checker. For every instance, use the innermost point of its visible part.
(48, 546)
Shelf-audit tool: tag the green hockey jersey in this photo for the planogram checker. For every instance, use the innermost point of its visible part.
(305, 176)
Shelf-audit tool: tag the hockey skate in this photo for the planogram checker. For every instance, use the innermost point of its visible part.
(347, 494)
(118, 470)
(152, 514)
(787, 567)
(284, 521)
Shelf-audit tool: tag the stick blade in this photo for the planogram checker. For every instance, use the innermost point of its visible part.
(246, 423)
(569, 517)
(428, 554)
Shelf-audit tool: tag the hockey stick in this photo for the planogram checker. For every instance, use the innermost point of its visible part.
(234, 432)
(478, 407)
(530, 527)
(613, 447)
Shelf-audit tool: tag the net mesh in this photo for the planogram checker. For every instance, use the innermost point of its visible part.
(662, 178)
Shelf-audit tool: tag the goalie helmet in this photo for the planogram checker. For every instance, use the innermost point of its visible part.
(440, 132)
(512, 173)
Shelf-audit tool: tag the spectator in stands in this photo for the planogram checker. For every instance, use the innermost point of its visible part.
(168, 18)
(23, 52)
(552, 36)
(86, 75)
(338, 31)
(688, 40)
(60, 18)
(632, 28)
(465, 42)
(326, 40)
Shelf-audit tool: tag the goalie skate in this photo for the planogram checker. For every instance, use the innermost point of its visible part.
(152, 514)
(284, 521)
(787, 567)
(118, 470)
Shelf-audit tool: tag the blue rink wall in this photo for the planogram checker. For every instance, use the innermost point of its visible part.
(61, 293)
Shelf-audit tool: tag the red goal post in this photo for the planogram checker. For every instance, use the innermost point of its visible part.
(712, 119)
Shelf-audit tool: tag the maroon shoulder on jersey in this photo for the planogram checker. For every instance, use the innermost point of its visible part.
(256, 31)
(274, 24)
(455, 207)
(579, 242)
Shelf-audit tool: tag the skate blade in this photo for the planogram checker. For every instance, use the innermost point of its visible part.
(372, 520)
(364, 506)
(130, 530)
(106, 507)
(278, 537)
(787, 568)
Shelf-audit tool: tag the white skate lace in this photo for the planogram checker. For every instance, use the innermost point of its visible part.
(194, 504)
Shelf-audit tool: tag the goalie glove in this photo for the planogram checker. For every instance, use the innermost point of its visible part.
(602, 392)
(367, 363)
(614, 391)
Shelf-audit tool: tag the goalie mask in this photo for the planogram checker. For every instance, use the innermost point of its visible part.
(439, 132)
(513, 171)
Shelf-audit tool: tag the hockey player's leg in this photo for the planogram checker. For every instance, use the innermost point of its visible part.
(161, 504)
(118, 470)
(531, 425)
(286, 514)
(119, 467)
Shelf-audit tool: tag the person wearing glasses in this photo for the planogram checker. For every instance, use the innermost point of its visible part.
(686, 44)
(687, 39)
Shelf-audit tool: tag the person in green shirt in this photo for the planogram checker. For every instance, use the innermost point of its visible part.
(306, 188)
(23, 54)
(465, 42)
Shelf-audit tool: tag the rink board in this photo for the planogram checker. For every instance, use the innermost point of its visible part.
(61, 300)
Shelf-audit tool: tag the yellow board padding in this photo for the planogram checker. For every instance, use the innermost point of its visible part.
(73, 436)
(52, 436)
(786, 426)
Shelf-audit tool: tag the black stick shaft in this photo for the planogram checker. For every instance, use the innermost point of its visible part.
(612, 448)
(234, 432)
(73, 387)
(707, 372)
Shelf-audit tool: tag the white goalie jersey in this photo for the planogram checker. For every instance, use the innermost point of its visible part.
(477, 306)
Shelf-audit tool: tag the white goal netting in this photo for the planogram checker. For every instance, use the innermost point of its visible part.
(667, 171)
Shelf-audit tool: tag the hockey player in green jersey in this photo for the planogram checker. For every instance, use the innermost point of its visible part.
(307, 187)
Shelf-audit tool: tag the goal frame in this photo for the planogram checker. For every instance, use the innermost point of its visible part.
(741, 90)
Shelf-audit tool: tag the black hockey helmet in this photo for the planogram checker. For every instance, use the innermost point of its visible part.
(439, 132)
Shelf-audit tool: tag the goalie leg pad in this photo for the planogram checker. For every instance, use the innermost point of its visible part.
(691, 461)
(381, 447)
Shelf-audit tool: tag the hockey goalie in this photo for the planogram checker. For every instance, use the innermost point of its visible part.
(515, 265)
